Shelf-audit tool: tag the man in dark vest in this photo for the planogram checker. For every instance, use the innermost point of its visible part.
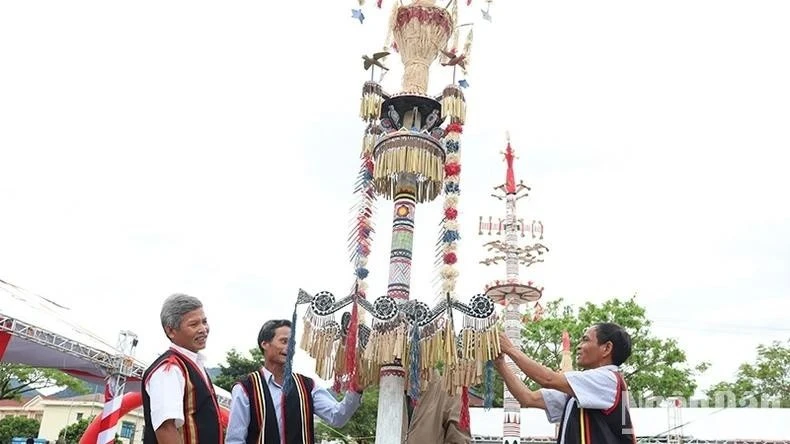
(590, 405)
(179, 403)
(257, 411)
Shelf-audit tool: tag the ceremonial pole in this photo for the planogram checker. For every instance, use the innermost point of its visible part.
(511, 292)
(410, 155)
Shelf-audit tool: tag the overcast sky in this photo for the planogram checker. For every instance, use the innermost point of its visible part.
(211, 148)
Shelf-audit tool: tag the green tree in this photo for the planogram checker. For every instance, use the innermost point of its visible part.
(237, 366)
(17, 427)
(657, 367)
(72, 433)
(762, 383)
(361, 428)
(16, 380)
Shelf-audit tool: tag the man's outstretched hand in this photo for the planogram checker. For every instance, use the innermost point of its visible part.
(505, 344)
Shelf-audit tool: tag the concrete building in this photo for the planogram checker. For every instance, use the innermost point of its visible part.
(55, 414)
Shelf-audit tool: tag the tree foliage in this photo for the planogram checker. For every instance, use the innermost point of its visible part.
(238, 365)
(766, 382)
(657, 367)
(17, 380)
(361, 428)
(18, 427)
(72, 433)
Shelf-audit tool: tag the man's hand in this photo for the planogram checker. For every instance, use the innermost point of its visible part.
(505, 344)
(499, 362)
(167, 433)
(355, 386)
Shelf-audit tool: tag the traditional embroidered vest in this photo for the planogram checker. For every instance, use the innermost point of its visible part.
(298, 410)
(201, 411)
(611, 426)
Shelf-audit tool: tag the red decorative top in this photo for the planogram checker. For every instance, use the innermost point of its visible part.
(425, 14)
(510, 179)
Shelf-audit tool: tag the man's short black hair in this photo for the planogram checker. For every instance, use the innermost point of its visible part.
(267, 331)
(620, 339)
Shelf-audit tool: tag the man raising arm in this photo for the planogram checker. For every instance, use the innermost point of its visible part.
(583, 401)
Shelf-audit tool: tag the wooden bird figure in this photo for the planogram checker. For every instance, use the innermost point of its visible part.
(374, 60)
(454, 60)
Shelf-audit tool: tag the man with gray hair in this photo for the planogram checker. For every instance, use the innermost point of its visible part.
(179, 403)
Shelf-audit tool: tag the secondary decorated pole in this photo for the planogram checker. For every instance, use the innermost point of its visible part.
(410, 155)
(512, 292)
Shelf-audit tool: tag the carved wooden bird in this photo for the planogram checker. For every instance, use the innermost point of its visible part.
(374, 60)
(455, 60)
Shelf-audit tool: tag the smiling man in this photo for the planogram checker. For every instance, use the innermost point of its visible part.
(257, 412)
(591, 405)
(179, 403)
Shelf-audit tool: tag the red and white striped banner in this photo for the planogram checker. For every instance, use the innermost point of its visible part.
(110, 416)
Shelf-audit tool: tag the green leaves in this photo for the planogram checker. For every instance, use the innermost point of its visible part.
(72, 433)
(17, 426)
(237, 366)
(17, 380)
(762, 383)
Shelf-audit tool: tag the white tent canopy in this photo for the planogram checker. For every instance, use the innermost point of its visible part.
(698, 423)
(38, 332)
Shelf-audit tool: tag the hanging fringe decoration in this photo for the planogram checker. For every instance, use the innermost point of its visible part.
(360, 237)
(351, 348)
(288, 383)
(387, 342)
(467, 51)
(370, 104)
(320, 339)
(414, 365)
(489, 386)
(409, 154)
(452, 43)
(339, 368)
(447, 244)
(465, 421)
(454, 104)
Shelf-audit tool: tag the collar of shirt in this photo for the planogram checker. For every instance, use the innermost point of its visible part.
(269, 377)
(197, 358)
(611, 367)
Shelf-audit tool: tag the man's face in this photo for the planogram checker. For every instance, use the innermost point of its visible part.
(276, 351)
(591, 354)
(193, 331)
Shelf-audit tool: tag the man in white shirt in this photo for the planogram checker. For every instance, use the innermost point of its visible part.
(261, 412)
(590, 405)
(179, 402)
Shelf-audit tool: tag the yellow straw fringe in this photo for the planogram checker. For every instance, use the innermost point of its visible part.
(394, 162)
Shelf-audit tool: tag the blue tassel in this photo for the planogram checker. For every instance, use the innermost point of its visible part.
(452, 146)
(362, 272)
(452, 187)
(289, 379)
(450, 236)
(488, 402)
(414, 364)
